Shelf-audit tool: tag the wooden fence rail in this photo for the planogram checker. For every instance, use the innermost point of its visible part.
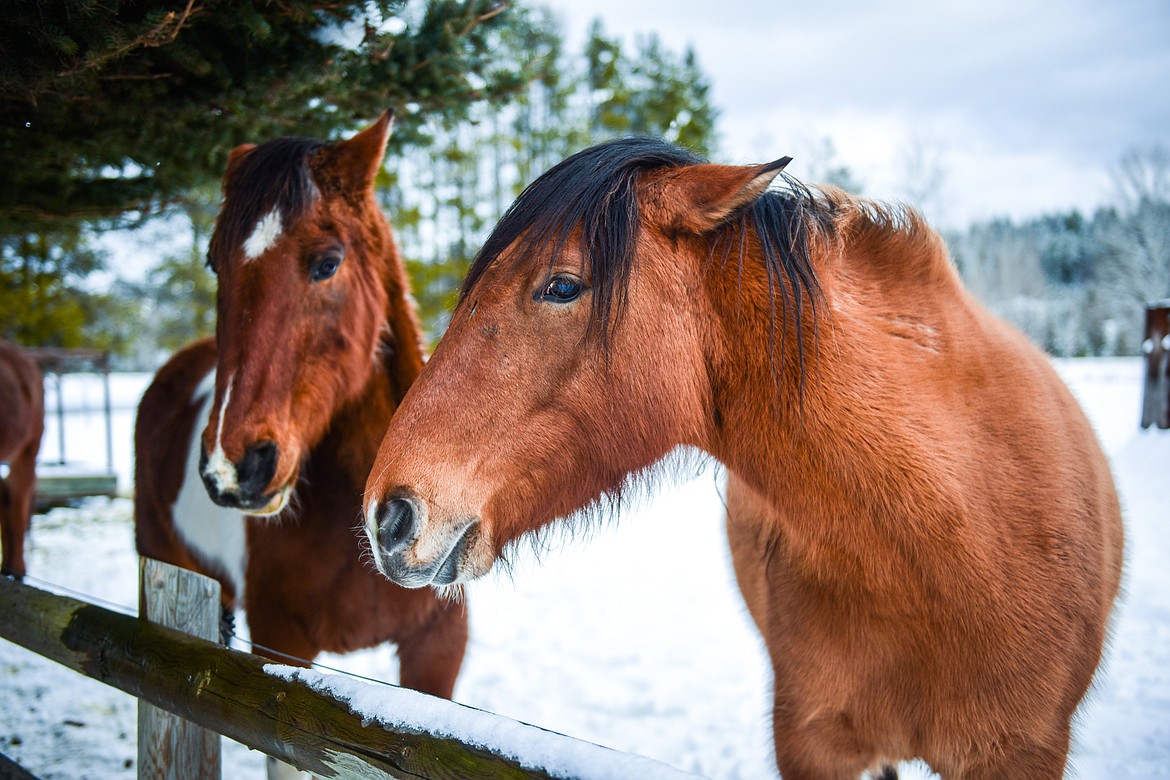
(296, 715)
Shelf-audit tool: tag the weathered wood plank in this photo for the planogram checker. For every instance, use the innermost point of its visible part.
(231, 692)
(169, 747)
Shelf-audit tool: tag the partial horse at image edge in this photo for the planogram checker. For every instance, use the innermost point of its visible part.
(922, 522)
(22, 422)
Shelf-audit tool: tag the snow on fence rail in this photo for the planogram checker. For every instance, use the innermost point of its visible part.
(331, 725)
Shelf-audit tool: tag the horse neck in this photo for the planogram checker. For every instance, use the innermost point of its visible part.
(356, 430)
(760, 365)
(829, 442)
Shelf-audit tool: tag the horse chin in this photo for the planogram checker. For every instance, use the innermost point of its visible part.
(467, 559)
(461, 568)
(472, 558)
(276, 504)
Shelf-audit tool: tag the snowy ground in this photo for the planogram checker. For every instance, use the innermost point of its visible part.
(633, 636)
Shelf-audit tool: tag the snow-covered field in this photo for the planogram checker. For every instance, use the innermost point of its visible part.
(632, 636)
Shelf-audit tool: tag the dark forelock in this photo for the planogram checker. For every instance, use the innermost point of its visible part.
(595, 191)
(274, 176)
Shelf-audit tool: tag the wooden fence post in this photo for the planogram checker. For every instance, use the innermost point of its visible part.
(1156, 349)
(169, 747)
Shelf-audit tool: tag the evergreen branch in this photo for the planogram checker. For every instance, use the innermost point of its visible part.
(479, 19)
(157, 36)
(474, 21)
(137, 77)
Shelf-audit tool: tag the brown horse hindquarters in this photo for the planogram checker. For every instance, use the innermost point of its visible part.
(22, 413)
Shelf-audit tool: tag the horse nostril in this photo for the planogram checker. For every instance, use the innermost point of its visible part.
(396, 524)
(256, 469)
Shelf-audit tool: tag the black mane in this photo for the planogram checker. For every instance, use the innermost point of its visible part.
(595, 191)
(274, 175)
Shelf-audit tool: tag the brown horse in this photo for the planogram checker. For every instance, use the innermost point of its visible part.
(22, 421)
(922, 522)
(280, 416)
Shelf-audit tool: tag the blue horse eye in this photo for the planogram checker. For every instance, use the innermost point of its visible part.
(562, 289)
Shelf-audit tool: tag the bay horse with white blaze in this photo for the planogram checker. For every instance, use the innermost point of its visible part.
(22, 421)
(922, 523)
(280, 416)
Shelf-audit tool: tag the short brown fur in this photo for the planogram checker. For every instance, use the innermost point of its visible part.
(22, 421)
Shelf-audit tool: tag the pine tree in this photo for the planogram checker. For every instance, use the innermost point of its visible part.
(42, 296)
(113, 112)
(654, 92)
(119, 107)
(181, 288)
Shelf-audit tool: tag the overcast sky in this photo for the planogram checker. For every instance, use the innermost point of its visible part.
(1025, 105)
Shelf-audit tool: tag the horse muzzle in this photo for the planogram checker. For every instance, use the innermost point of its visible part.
(414, 551)
(244, 485)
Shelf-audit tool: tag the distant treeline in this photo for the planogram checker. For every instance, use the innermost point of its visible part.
(1076, 285)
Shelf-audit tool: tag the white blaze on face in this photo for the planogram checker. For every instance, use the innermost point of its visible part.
(214, 532)
(264, 235)
(219, 469)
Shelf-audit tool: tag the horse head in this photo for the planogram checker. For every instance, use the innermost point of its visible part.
(309, 287)
(576, 358)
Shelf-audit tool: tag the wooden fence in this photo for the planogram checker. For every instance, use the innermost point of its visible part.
(298, 716)
(1156, 349)
(169, 747)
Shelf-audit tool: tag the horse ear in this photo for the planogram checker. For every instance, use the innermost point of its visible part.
(699, 198)
(354, 163)
(237, 155)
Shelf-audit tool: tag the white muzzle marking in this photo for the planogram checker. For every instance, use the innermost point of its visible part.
(372, 533)
(216, 533)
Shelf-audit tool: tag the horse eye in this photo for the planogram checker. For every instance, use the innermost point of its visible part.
(324, 266)
(562, 288)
